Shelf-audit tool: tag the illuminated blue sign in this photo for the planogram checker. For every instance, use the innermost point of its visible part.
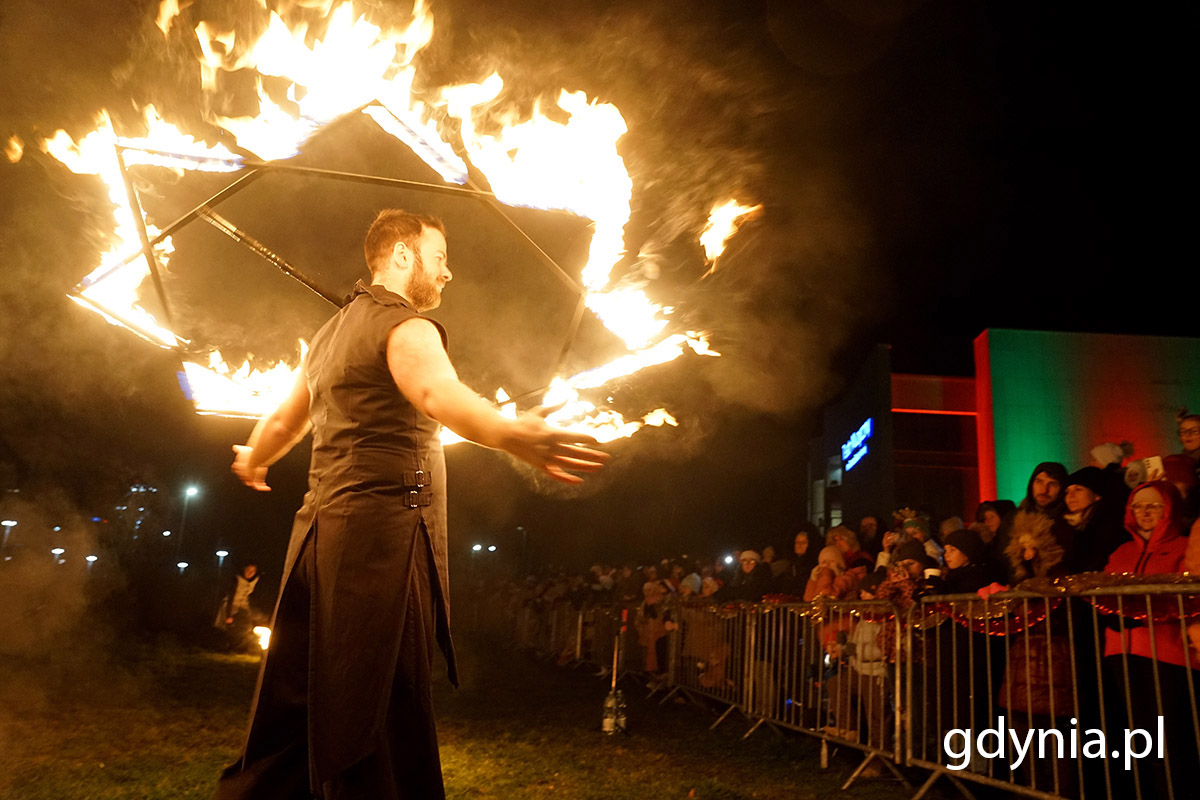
(856, 446)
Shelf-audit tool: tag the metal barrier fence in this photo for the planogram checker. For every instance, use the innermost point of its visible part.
(1076, 691)
(1091, 693)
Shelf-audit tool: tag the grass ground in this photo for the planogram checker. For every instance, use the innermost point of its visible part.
(162, 721)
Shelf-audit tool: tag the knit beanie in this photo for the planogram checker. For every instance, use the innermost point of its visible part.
(969, 543)
(914, 551)
(1088, 477)
(1108, 453)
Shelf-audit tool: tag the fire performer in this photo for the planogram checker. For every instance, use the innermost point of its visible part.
(343, 706)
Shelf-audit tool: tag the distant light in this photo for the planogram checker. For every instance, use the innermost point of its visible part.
(192, 491)
(58, 551)
(91, 559)
(57, 528)
(166, 533)
(95, 519)
(728, 559)
(491, 548)
(477, 548)
(182, 565)
(9, 523)
(222, 553)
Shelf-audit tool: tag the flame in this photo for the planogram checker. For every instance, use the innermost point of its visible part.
(353, 65)
(566, 159)
(112, 288)
(584, 416)
(264, 636)
(572, 166)
(222, 390)
(168, 10)
(723, 222)
(14, 149)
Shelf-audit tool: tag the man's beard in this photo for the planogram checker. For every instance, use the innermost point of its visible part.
(422, 290)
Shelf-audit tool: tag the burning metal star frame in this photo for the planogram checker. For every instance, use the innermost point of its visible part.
(358, 67)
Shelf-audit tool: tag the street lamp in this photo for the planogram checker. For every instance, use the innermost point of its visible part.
(221, 554)
(188, 494)
(182, 566)
(8, 524)
(477, 547)
(57, 552)
(491, 548)
(90, 561)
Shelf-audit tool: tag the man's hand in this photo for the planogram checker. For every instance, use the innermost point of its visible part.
(554, 451)
(254, 477)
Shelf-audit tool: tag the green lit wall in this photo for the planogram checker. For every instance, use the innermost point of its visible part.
(1047, 396)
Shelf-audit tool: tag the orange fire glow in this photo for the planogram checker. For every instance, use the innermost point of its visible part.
(14, 149)
(723, 222)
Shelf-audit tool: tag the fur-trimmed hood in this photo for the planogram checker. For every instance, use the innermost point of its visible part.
(842, 532)
(1033, 529)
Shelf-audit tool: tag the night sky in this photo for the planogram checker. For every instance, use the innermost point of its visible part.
(927, 170)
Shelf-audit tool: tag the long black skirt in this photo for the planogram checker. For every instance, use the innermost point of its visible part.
(404, 764)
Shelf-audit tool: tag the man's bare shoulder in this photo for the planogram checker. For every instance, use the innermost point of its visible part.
(416, 333)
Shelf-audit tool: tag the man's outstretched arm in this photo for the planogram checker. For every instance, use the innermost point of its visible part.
(273, 437)
(424, 375)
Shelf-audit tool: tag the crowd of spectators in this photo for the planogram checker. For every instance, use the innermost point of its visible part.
(1103, 517)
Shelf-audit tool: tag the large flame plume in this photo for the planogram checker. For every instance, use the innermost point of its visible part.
(358, 66)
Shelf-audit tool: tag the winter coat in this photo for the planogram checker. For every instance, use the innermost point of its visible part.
(1095, 535)
(1038, 677)
(1161, 554)
(836, 587)
(966, 579)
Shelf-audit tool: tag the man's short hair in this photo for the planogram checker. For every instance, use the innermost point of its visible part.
(394, 225)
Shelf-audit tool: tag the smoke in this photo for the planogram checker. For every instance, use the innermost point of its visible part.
(45, 596)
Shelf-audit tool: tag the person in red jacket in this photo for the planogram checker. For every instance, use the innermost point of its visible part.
(1148, 655)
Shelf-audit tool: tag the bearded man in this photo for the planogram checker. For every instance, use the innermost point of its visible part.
(343, 708)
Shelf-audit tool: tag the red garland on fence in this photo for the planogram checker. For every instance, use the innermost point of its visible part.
(1005, 620)
(999, 616)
